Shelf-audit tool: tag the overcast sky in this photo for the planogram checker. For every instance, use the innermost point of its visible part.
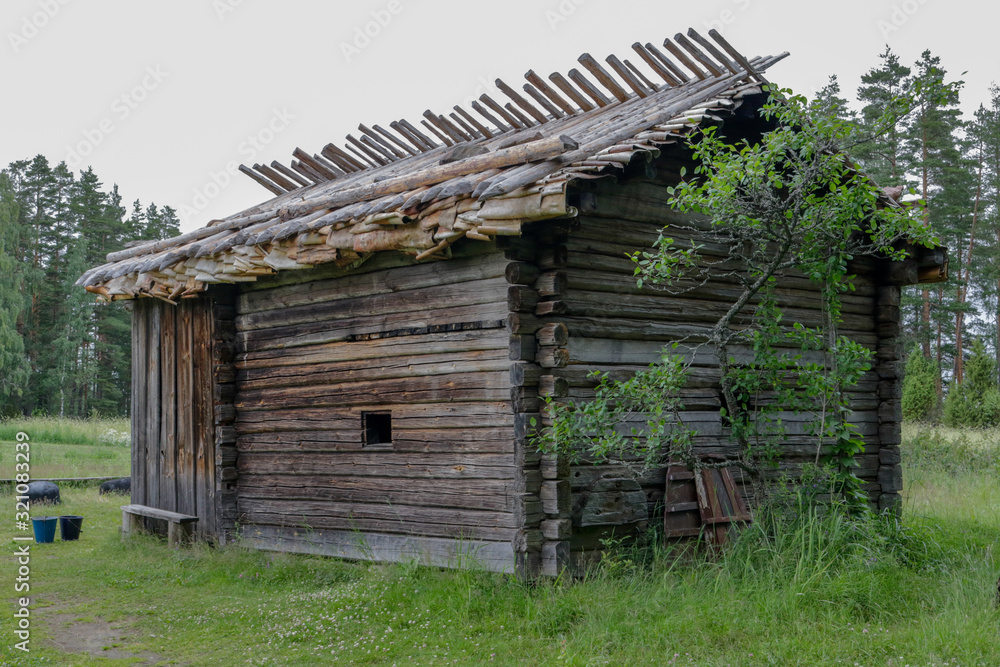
(160, 97)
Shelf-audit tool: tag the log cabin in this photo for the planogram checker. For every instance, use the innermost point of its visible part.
(355, 367)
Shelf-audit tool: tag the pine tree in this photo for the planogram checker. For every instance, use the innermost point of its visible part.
(13, 361)
(883, 155)
(933, 141)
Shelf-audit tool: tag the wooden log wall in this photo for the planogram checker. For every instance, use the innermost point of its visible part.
(536, 346)
(224, 411)
(425, 343)
(173, 428)
(613, 326)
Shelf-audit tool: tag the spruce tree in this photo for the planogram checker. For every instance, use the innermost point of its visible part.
(920, 398)
(13, 361)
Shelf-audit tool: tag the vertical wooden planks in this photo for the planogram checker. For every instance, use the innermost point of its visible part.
(152, 427)
(202, 412)
(168, 409)
(186, 409)
(140, 346)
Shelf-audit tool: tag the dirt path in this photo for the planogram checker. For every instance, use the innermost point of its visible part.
(78, 635)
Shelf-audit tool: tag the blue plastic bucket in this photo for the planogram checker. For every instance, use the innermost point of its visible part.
(45, 528)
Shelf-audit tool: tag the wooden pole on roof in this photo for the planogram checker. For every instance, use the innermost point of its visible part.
(570, 91)
(655, 64)
(261, 180)
(521, 102)
(290, 173)
(603, 76)
(483, 130)
(588, 88)
(546, 89)
(713, 51)
(707, 62)
(394, 139)
(680, 55)
(541, 99)
(633, 82)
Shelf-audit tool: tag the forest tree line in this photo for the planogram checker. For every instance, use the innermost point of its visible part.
(60, 352)
(951, 165)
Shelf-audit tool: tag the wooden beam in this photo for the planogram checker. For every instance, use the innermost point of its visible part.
(521, 102)
(655, 64)
(546, 89)
(261, 180)
(570, 91)
(587, 87)
(603, 76)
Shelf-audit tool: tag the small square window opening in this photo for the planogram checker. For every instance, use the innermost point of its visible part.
(376, 428)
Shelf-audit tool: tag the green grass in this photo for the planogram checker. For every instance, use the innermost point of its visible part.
(65, 448)
(796, 590)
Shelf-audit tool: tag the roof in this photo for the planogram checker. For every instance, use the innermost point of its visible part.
(472, 175)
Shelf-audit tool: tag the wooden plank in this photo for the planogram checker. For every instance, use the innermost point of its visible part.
(361, 545)
(488, 315)
(154, 406)
(438, 388)
(185, 409)
(396, 524)
(276, 437)
(483, 494)
(204, 426)
(313, 511)
(371, 369)
(157, 513)
(140, 396)
(477, 292)
(168, 410)
(382, 464)
(376, 349)
(456, 414)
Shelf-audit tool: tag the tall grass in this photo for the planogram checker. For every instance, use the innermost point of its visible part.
(61, 448)
(799, 587)
(65, 431)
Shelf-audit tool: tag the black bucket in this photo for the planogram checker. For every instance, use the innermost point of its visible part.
(70, 527)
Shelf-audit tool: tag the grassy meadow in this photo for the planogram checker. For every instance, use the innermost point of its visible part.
(795, 590)
(68, 448)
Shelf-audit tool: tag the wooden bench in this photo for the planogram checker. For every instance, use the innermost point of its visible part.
(178, 525)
